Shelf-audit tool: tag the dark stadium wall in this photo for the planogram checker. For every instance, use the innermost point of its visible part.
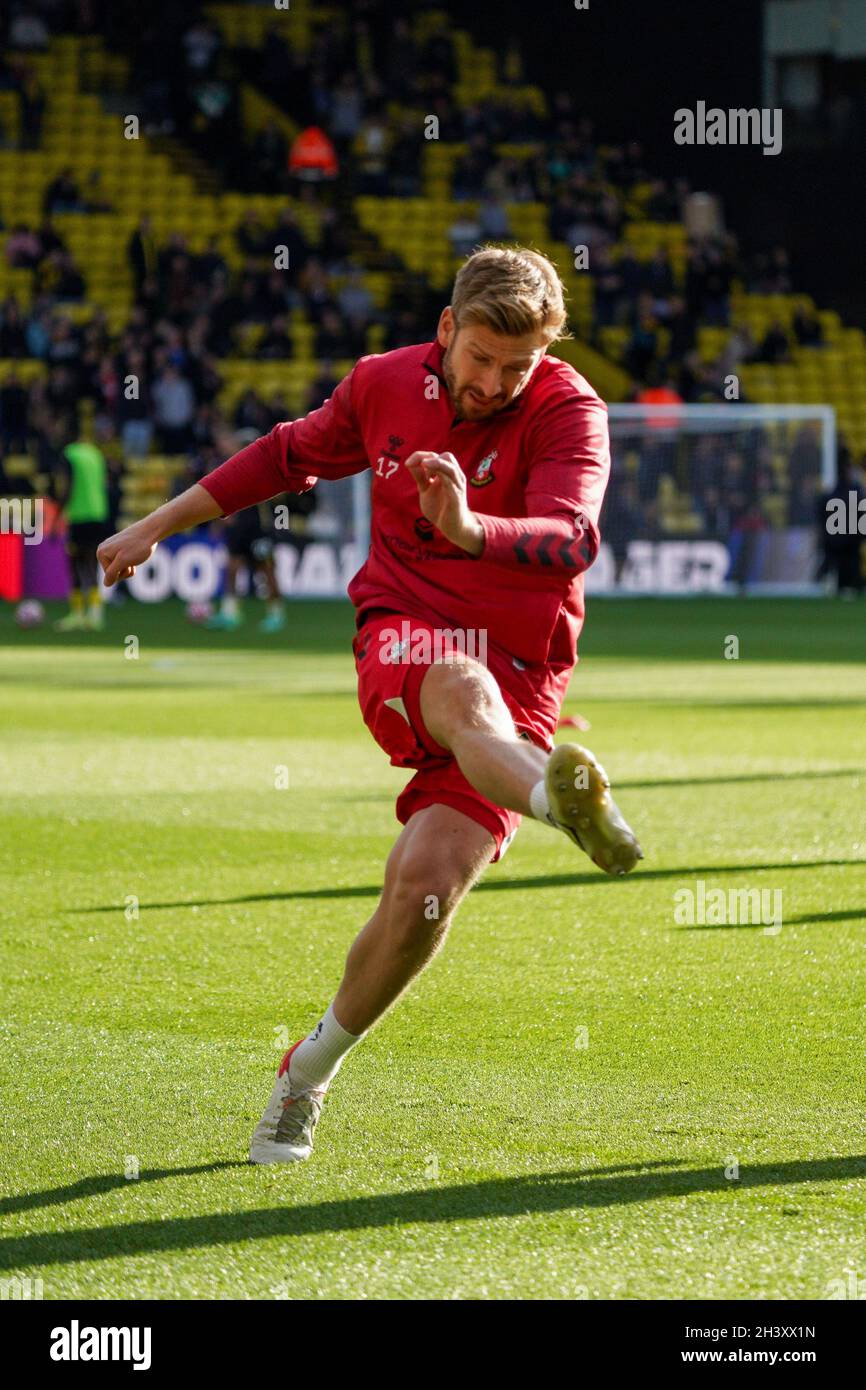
(636, 62)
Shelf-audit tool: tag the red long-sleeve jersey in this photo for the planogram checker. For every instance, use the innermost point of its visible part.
(536, 476)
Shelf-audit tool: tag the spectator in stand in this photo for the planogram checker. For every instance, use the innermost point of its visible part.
(65, 343)
(14, 408)
(324, 386)
(774, 345)
(631, 273)
(142, 253)
(740, 348)
(59, 276)
(23, 248)
(27, 29)
(804, 463)
(287, 233)
(210, 265)
(779, 278)
(94, 199)
(62, 195)
(664, 203)
(31, 99)
(207, 382)
(843, 552)
(176, 277)
(681, 328)
(13, 338)
(201, 45)
(355, 301)
(607, 287)
(49, 238)
(370, 149)
(695, 381)
(174, 410)
(493, 218)
(335, 339)
(401, 59)
(252, 239)
(658, 277)
(622, 519)
(807, 328)
(437, 59)
(563, 215)
(276, 344)
(268, 161)
(472, 169)
(403, 161)
(277, 409)
(277, 74)
(346, 112)
(250, 412)
(464, 234)
(134, 408)
(315, 288)
(643, 344)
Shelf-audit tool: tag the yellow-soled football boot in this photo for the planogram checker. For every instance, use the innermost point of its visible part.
(578, 792)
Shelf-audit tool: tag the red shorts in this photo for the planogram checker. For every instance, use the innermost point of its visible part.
(389, 692)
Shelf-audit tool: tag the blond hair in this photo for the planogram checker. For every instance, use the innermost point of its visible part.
(510, 290)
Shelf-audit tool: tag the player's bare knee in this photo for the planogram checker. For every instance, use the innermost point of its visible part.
(457, 696)
(422, 897)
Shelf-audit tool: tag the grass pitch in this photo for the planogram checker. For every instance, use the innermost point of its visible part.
(561, 1105)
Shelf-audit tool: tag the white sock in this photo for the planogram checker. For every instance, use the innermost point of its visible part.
(230, 606)
(539, 804)
(317, 1060)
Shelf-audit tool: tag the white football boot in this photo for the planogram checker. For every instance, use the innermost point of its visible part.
(284, 1134)
(578, 793)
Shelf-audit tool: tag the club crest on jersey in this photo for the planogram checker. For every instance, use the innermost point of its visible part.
(484, 472)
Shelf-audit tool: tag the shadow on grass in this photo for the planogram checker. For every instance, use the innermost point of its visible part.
(491, 885)
(536, 1194)
(655, 784)
(100, 1183)
(843, 914)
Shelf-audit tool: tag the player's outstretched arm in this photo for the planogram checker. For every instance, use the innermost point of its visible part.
(120, 554)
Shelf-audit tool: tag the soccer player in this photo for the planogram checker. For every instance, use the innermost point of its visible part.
(80, 484)
(249, 541)
(489, 463)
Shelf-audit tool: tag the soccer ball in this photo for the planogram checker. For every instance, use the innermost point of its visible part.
(30, 613)
(199, 610)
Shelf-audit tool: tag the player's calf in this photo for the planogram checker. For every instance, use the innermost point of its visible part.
(436, 859)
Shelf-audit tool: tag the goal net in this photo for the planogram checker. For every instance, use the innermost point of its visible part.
(715, 499)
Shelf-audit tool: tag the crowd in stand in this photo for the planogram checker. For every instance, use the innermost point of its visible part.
(190, 310)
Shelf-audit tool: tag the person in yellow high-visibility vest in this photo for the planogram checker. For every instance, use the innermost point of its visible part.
(81, 486)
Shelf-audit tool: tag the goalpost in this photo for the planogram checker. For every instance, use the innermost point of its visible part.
(720, 498)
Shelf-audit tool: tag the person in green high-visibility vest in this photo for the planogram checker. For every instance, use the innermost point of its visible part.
(81, 486)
